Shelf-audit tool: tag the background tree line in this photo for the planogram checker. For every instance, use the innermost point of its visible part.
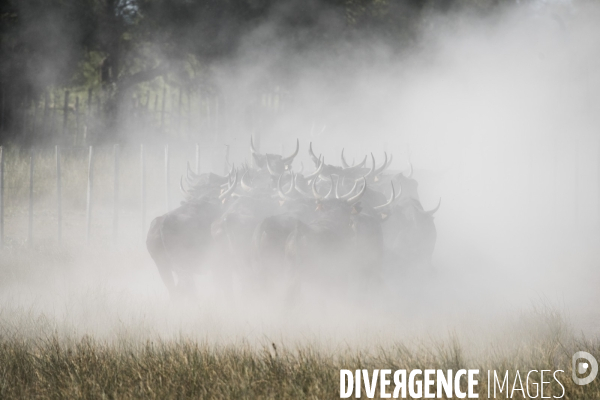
(119, 47)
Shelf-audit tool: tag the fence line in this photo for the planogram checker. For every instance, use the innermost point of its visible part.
(570, 187)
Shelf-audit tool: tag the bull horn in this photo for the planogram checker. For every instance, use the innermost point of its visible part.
(370, 173)
(344, 163)
(318, 171)
(301, 167)
(181, 186)
(252, 149)
(389, 161)
(292, 184)
(315, 159)
(391, 200)
(431, 212)
(190, 172)
(354, 199)
(283, 195)
(345, 196)
(356, 167)
(316, 194)
(243, 183)
(231, 189)
(383, 166)
(400, 192)
(411, 170)
(288, 160)
(330, 188)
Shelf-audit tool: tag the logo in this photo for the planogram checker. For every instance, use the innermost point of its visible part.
(582, 367)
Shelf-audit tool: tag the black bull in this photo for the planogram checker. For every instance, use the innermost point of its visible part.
(267, 229)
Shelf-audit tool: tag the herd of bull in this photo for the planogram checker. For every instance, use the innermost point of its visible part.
(337, 222)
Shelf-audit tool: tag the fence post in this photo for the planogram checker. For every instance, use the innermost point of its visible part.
(155, 110)
(162, 112)
(3, 106)
(1, 196)
(143, 191)
(90, 187)
(24, 115)
(167, 176)
(217, 117)
(76, 120)
(65, 114)
(44, 127)
(30, 225)
(116, 194)
(89, 103)
(34, 119)
(179, 112)
(226, 165)
(58, 196)
(197, 158)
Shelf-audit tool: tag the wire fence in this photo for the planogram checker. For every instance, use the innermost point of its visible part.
(109, 193)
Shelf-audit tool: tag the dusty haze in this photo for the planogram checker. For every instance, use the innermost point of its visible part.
(499, 115)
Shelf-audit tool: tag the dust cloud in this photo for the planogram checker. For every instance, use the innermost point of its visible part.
(499, 117)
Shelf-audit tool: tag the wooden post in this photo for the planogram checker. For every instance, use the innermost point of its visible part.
(34, 119)
(576, 184)
(53, 114)
(65, 114)
(45, 116)
(90, 187)
(1, 197)
(167, 177)
(3, 107)
(116, 194)
(58, 196)
(89, 103)
(179, 112)
(143, 192)
(30, 225)
(24, 114)
(217, 116)
(197, 158)
(76, 120)
(153, 115)
(208, 119)
(162, 112)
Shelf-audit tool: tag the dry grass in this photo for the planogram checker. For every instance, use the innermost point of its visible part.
(51, 367)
